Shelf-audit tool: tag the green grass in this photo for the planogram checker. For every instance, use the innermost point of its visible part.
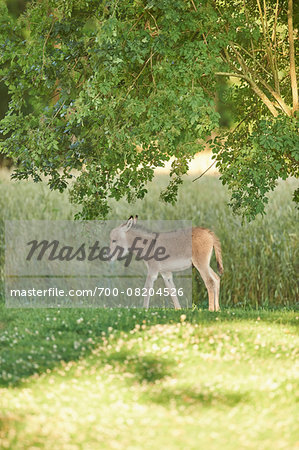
(114, 379)
(137, 379)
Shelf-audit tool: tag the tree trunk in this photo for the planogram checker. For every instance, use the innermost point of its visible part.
(292, 57)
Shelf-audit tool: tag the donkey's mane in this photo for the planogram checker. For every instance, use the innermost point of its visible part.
(139, 227)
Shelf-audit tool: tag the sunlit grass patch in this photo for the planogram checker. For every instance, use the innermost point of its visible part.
(228, 381)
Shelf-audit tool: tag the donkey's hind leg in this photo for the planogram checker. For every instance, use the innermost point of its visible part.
(217, 289)
(209, 282)
(168, 280)
(203, 243)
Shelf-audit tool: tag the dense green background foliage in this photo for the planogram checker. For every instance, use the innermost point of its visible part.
(104, 92)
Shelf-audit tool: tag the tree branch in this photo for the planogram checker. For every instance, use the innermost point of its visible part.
(292, 56)
(247, 18)
(253, 57)
(140, 73)
(277, 87)
(267, 40)
(252, 72)
(255, 89)
(254, 86)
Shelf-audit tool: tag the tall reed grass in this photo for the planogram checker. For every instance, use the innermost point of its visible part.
(260, 258)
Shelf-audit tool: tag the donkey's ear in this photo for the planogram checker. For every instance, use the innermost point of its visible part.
(126, 226)
(135, 219)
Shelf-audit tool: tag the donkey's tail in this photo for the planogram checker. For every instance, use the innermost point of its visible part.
(217, 248)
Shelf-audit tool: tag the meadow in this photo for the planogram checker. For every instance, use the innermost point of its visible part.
(135, 379)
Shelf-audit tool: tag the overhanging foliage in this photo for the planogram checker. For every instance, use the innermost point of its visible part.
(111, 90)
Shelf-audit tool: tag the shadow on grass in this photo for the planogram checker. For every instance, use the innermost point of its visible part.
(143, 368)
(187, 396)
(35, 340)
(148, 370)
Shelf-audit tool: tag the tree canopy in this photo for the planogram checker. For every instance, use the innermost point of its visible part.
(104, 92)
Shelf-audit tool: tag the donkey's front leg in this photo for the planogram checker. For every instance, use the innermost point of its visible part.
(149, 283)
(168, 280)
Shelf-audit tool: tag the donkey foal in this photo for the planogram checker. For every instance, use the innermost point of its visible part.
(182, 253)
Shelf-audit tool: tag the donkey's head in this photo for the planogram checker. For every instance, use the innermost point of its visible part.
(119, 237)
